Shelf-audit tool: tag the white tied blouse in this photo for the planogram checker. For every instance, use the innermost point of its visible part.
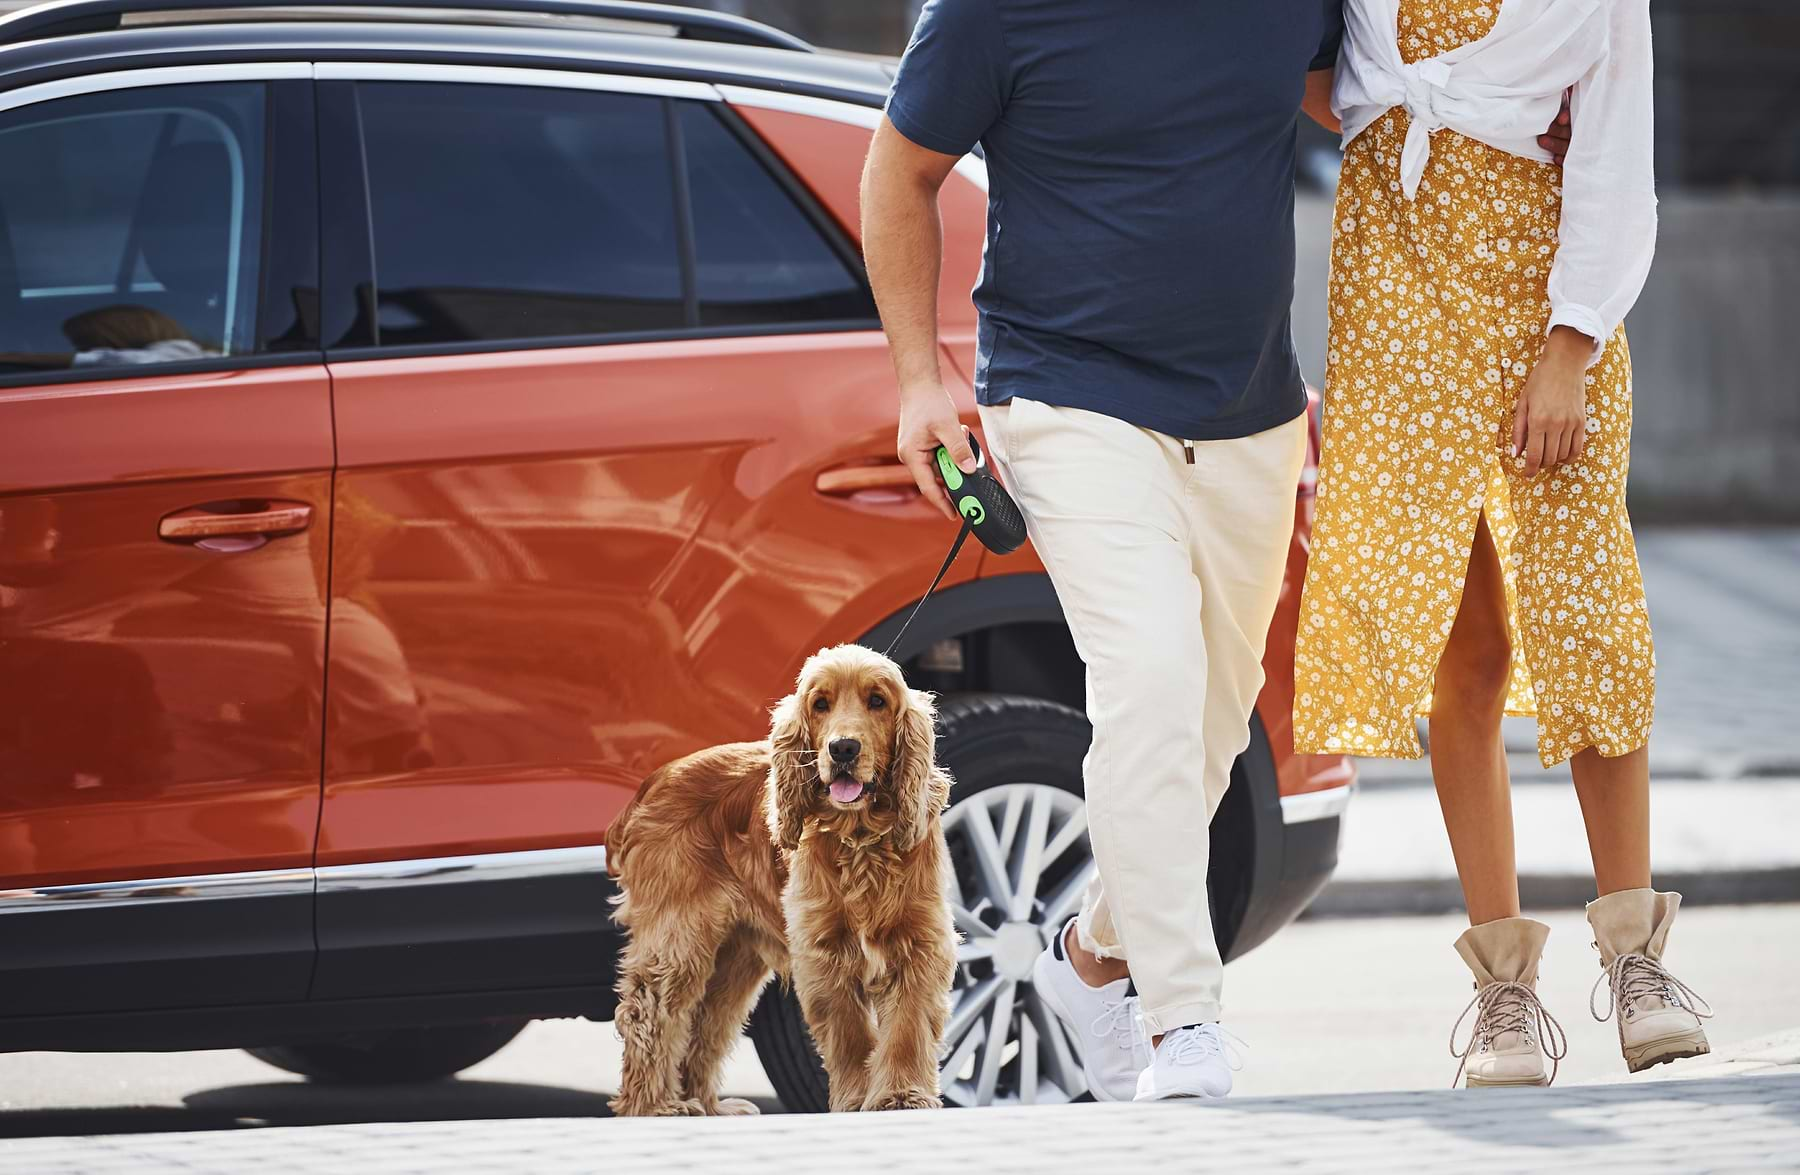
(1503, 90)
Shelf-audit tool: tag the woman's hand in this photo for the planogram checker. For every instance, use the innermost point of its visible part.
(1550, 426)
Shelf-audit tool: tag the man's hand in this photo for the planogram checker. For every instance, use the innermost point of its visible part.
(1555, 138)
(1550, 425)
(928, 419)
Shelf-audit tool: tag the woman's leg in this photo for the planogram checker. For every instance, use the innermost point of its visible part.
(1468, 758)
(1615, 805)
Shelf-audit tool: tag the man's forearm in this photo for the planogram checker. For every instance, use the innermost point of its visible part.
(903, 243)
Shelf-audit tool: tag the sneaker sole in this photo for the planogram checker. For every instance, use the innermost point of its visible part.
(1185, 1097)
(1669, 1048)
(1053, 1000)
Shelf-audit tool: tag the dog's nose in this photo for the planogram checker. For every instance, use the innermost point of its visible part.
(844, 750)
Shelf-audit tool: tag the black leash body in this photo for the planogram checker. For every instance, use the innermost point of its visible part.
(962, 536)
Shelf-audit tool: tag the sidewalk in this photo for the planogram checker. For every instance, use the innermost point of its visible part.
(1725, 756)
(1686, 1123)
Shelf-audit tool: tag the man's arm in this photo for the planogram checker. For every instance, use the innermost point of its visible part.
(903, 244)
(1317, 102)
(1555, 138)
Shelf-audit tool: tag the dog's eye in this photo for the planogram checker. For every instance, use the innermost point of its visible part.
(876, 701)
(821, 703)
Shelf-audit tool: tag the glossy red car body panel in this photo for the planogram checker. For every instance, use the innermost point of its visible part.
(161, 712)
(548, 571)
(534, 608)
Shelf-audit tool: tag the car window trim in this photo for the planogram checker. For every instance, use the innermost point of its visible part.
(134, 79)
(141, 371)
(290, 217)
(617, 339)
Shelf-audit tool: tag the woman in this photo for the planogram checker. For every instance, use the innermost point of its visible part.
(1472, 553)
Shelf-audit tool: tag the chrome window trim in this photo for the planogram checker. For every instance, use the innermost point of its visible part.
(173, 75)
(265, 883)
(92, 895)
(1316, 805)
(970, 167)
(506, 75)
(514, 866)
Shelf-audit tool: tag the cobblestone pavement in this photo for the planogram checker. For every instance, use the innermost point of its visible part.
(1718, 1124)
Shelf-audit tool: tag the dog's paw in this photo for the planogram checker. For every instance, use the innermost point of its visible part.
(632, 1108)
(904, 1099)
(735, 1107)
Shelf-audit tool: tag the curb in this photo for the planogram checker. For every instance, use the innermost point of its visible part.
(1443, 895)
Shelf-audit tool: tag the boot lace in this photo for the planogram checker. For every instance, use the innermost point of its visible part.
(1508, 1007)
(1202, 1042)
(1633, 977)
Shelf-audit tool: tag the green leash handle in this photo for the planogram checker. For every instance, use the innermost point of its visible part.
(988, 512)
(988, 509)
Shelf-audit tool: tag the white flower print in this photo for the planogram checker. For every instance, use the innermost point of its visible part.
(1437, 309)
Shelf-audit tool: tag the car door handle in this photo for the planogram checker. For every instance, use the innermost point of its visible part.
(228, 527)
(867, 482)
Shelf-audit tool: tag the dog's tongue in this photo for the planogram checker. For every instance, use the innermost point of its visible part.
(845, 790)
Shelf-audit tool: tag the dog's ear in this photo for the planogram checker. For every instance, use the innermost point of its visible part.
(921, 790)
(788, 772)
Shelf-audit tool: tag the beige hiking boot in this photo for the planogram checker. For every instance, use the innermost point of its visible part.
(1659, 1016)
(1513, 1034)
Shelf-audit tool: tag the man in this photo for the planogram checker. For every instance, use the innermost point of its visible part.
(1138, 388)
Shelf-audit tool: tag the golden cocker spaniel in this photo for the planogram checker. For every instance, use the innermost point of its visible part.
(816, 855)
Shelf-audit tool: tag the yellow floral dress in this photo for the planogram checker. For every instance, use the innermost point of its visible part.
(1438, 308)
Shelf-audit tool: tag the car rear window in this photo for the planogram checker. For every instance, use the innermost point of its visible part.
(760, 259)
(517, 213)
(130, 227)
(507, 212)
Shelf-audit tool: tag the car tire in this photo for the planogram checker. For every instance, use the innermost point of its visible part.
(985, 741)
(400, 1056)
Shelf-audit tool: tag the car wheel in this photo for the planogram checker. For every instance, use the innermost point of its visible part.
(398, 1056)
(1018, 842)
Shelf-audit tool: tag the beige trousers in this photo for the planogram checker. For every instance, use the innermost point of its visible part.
(1168, 574)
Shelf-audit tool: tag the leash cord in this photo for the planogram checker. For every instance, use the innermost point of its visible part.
(956, 547)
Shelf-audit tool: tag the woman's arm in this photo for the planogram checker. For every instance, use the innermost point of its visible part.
(1317, 103)
(1608, 230)
(1607, 238)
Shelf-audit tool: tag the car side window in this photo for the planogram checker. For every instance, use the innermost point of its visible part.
(514, 213)
(759, 258)
(131, 227)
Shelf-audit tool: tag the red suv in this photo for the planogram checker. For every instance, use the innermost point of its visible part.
(417, 426)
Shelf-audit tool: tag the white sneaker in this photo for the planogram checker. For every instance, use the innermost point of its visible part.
(1196, 1061)
(1103, 1020)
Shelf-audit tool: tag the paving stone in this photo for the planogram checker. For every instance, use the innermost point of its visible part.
(1738, 1123)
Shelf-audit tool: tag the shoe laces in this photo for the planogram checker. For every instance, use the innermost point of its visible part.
(1120, 1021)
(1508, 1006)
(1633, 977)
(1197, 1043)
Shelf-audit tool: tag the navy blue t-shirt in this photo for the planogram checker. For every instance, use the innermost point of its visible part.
(1140, 244)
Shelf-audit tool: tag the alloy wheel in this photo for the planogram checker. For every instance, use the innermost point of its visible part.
(1022, 863)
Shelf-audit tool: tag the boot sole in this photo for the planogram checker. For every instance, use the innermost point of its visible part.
(1669, 1048)
(1474, 1082)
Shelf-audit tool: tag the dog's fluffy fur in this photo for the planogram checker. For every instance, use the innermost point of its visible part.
(738, 862)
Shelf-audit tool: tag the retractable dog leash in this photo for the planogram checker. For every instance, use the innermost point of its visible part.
(988, 512)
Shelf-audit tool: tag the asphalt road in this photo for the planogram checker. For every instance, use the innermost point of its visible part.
(1339, 1005)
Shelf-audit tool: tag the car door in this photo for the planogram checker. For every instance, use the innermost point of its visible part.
(602, 350)
(165, 497)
